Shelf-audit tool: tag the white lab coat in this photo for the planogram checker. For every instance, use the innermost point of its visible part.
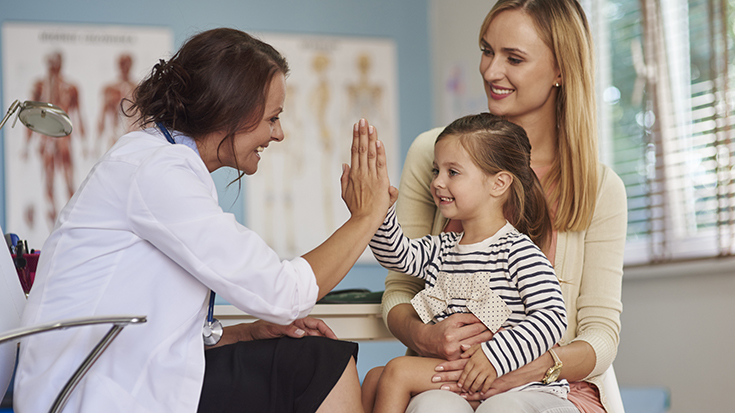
(145, 235)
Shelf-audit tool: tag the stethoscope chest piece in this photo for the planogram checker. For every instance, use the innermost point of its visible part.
(212, 331)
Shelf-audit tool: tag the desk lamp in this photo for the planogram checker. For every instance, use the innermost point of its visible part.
(41, 117)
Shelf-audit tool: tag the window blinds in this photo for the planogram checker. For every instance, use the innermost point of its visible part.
(667, 123)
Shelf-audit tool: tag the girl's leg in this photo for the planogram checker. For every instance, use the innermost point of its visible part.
(402, 378)
(345, 395)
(439, 401)
(370, 388)
(526, 402)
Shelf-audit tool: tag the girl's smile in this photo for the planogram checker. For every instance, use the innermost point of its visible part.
(460, 189)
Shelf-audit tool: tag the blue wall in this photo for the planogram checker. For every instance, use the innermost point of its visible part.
(404, 21)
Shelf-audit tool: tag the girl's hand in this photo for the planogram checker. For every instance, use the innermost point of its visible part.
(478, 373)
(451, 371)
(365, 184)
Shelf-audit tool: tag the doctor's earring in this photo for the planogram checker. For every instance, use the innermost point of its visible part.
(557, 84)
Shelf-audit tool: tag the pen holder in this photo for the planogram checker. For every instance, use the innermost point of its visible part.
(27, 272)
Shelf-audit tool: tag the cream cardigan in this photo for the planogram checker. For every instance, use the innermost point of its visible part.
(589, 263)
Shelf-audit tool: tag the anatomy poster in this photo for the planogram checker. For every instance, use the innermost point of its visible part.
(86, 70)
(294, 201)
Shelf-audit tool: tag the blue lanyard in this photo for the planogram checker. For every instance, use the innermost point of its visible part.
(210, 311)
(165, 132)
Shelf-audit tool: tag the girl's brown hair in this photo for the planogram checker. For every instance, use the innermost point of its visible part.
(495, 145)
(217, 82)
(572, 180)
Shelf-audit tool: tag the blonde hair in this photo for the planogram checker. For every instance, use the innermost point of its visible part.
(571, 182)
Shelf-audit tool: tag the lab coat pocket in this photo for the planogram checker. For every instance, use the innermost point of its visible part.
(102, 394)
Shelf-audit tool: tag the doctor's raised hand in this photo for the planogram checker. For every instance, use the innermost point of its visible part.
(368, 170)
(367, 192)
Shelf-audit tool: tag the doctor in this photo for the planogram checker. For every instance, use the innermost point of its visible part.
(144, 234)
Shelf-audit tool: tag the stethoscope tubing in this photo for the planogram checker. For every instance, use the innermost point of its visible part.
(210, 311)
(213, 328)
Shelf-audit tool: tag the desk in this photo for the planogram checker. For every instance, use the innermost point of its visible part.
(354, 322)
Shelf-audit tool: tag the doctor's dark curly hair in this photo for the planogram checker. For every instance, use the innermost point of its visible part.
(217, 82)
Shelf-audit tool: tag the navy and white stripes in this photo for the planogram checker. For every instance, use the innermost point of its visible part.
(520, 274)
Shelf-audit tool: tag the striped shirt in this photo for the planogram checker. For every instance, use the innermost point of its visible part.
(519, 273)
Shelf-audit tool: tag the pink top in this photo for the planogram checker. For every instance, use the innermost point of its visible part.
(583, 395)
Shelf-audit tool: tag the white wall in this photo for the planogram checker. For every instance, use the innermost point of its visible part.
(454, 28)
(678, 332)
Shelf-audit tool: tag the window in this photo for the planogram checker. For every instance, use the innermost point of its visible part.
(666, 93)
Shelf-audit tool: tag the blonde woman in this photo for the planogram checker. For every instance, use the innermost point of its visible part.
(537, 67)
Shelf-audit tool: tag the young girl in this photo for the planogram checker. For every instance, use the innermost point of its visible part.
(493, 269)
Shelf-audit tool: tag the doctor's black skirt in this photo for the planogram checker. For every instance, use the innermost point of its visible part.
(280, 375)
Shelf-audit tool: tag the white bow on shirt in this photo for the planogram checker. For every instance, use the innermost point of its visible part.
(480, 300)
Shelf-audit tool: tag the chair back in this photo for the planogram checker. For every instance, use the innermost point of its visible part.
(612, 391)
(12, 301)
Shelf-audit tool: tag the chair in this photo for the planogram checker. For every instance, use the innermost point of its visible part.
(12, 301)
(612, 391)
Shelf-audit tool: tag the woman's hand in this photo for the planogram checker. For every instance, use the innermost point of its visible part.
(261, 330)
(365, 184)
(578, 358)
(533, 371)
(450, 337)
(302, 327)
(451, 372)
(314, 327)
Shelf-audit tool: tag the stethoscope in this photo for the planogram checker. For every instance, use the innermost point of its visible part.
(212, 331)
